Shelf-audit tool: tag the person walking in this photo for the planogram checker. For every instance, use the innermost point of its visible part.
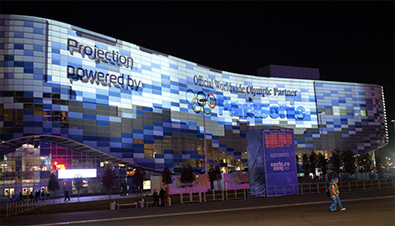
(43, 195)
(156, 198)
(31, 196)
(162, 197)
(334, 193)
(36, 196)
(66, 195)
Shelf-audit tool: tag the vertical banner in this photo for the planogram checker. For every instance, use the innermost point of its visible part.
(280, 162)
(256, 169)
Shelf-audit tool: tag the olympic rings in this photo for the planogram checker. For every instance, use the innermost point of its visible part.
(199, 101)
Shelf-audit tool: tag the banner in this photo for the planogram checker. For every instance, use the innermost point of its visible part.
(256, 169)
(280, 162)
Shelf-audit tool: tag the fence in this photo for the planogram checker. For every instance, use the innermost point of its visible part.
(306, 188)
(14, 208)
(18, 207)
(309, 188)
(289, 189)
(213, 196)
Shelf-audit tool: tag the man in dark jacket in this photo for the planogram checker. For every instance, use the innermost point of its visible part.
(162, 197)
(156, 198)
(66, 195)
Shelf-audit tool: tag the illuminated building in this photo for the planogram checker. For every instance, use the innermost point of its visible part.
(81, 98)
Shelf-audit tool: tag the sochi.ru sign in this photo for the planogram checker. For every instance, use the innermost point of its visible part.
(279, 162)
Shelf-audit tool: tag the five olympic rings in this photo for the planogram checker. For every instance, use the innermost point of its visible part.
(199, 101)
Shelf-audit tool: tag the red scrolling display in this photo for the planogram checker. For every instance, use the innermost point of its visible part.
(277, 140)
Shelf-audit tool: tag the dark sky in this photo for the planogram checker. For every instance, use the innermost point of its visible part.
(346, 41)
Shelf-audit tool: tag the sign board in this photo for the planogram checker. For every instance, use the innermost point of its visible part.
(280, 162)
(77, 173)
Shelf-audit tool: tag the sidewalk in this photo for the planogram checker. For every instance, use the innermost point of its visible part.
(192, 207)
(74, 198)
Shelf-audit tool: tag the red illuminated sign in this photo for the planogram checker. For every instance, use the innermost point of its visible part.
(57, 166)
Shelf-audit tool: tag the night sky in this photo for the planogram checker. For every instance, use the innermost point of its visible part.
(346, 41)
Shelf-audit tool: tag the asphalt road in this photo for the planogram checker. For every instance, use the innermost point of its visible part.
(372, 212)
(363, 208)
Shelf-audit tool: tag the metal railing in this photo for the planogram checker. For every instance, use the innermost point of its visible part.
(308, 188)
(214, 195)
(18, 207)
(305, 188)
(289, 189)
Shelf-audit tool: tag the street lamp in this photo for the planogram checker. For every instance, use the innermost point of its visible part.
(387, 162)
(202, 103)
(322, 138)
(322, 132)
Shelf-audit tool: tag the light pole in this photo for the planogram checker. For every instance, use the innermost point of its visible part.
(322, 139)
(387, 162)
(322, 132)
(203, 102)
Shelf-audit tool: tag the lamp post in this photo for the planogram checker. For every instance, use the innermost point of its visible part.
(322, 138)
(322, 132)
(203, 102)
(387, 163)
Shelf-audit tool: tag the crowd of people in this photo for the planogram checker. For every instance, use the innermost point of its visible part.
(162, 198)
(38, 196)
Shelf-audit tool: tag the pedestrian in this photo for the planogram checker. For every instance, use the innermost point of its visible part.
(20, 196)
(42, 195)
(334, 193)
(156, 198)
(31, 196)
(66, 195)
(167, 196)
(36, 196)
(162, 197)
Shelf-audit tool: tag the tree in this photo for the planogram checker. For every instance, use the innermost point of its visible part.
(108, 180)
(323, 164)
(297, 163)
(365, 163)
(78, 182)
(138, 178)
(187, 176)
(53, 184)
(336, 161)
(124, 186)
(214, 174)
(305, 162)
(379, 162)
(166, 177)
(313, 162)
(349, 162)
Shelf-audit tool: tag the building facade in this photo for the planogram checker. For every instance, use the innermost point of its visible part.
(146, 108)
